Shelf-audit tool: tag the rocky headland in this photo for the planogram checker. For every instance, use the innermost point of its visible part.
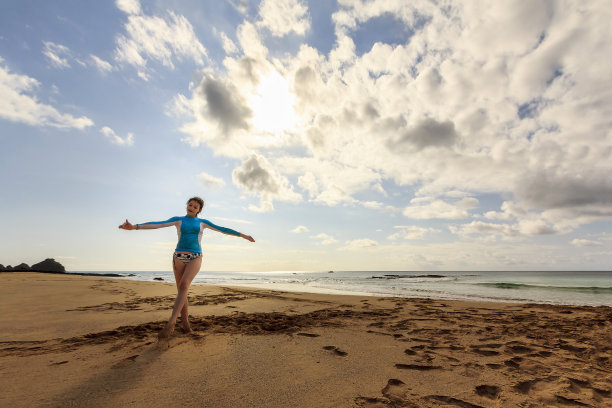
(50, 265)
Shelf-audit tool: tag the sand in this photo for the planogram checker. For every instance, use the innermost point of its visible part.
(78, 341)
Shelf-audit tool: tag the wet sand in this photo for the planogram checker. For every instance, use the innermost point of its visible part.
(80, 341)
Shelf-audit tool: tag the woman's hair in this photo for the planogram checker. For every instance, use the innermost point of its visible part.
(197, 200)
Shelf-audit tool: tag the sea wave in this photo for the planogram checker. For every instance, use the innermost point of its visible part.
(582, 289)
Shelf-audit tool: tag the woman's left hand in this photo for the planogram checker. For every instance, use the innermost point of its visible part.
(248, 238)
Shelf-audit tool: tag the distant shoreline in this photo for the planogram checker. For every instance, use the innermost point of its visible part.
(108, 275)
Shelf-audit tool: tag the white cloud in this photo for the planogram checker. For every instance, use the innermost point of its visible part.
(473, 103)
(585, 243)
(358, 244)
(210, 181)
(18, 103)
(162, 39)
(299, 229)
(57, 54)
(325, 239)
(282, 17)
(103, 66)
(536, 227)
(372, 204)
(440, 209)
(479, 227)
(256, 175)
(179, 106)
(242, 6)
(410, 232)
(495, 215)
(128, 140)
(61, 56)
(129, 6)
(228, 45)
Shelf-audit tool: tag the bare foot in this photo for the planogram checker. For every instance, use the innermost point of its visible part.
(186, 327)
(165, 332)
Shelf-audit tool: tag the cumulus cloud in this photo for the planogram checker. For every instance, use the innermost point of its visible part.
(536, 227)
(129, 6)
(299, 229)
(128, 140)
(578, 189)
(282, 17)
(325, 239)
(210, 181)
(257, 176)
(18, 103)
(161, 39)
(491, 102)
(224, 105)
(426, 133)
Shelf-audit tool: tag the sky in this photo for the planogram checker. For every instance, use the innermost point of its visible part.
(341, 135)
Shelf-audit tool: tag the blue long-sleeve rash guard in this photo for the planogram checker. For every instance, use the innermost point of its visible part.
(189, 230)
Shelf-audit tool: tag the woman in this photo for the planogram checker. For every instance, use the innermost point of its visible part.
(187, 257)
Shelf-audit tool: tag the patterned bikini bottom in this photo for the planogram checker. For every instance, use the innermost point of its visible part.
(186, 257)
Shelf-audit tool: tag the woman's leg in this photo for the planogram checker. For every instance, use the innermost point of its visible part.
(190, 271)
(179, 268)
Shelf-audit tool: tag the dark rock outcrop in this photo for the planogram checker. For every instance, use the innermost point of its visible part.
(22, 267)
(48, 265)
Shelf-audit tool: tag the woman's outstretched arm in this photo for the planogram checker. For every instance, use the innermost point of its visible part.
(227, 231)
(149, 225)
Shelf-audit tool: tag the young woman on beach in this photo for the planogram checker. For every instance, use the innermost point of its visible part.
(187, 258)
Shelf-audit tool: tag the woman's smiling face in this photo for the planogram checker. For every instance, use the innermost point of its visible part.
(193, 208)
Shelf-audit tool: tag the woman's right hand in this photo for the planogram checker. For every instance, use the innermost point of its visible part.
(126, 225)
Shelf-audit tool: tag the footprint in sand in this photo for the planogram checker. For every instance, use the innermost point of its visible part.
(486, 353)
(494, 366)
(417, 367)
(489, 391)
(336, 351)
(525, 386)
(453, 401)
(395, 389)
(514, 362)
(395, 394)
(308, 334)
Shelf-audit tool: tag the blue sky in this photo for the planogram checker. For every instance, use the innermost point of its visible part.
(348, 135)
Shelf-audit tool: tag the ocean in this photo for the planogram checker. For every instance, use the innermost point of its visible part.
(587, 288)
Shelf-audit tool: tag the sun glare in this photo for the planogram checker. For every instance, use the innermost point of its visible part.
(272, 105)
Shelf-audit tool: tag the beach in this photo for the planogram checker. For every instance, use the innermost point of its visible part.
(86, 341)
